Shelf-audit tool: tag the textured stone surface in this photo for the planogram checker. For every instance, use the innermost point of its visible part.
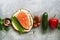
(37, 7)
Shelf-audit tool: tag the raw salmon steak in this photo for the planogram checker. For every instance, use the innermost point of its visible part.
(23, 20)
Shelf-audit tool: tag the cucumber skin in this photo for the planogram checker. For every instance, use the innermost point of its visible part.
(45, 21)
(17, 24)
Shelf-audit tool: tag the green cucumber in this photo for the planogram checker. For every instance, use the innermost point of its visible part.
(45, 21)
(17, 24)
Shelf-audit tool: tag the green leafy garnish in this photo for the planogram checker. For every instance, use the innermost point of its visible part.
(1, 24)
(7, 28)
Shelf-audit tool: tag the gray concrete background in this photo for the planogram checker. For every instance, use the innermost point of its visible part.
(37, 7)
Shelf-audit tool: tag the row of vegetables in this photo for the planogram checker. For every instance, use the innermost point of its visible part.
(53, 23)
